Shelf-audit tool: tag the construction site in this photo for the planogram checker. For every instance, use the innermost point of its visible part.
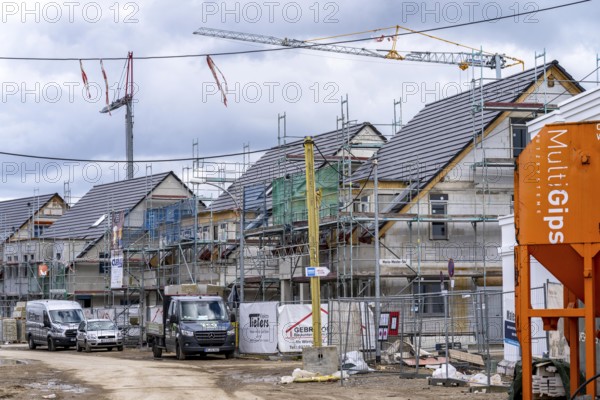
(416, 243)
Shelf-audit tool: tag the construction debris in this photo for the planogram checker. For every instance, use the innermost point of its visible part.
(468, 357)
(302, 376)
(507, 368)
(440, 375)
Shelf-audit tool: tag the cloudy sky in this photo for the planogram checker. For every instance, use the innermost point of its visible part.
(45, 110)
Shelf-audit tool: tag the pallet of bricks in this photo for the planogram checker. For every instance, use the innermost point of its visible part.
(9, 330)
(547, 382)
(18, 315)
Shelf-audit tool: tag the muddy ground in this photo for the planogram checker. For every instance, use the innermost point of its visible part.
(39, 374)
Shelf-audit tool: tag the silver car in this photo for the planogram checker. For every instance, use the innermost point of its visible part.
(99, 334)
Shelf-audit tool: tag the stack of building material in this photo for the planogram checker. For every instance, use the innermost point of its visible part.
(547, 382)
(472, 358)
(19, 310)
(506, 367)
(9, 330)
(134, 315)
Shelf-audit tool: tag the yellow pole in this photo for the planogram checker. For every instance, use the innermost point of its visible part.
(313, 238)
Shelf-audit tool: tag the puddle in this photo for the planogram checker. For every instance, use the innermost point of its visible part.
(56, 386)
(8, 361)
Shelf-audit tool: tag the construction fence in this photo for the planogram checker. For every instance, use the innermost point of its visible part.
(408, 325)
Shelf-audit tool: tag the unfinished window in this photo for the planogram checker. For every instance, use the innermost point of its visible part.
(103, 263)
(428, 298)
(361, 204)
(519, 134)
(223, 232)
(439, 207)
(38, 230)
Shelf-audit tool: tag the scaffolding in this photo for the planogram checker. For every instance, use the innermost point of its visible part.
(185, 242)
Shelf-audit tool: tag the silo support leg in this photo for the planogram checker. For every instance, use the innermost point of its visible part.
(588, 251)
(572, 335)
(523, 305)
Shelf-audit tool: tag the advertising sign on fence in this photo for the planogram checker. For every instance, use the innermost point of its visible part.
(295, 327)
(258, 328)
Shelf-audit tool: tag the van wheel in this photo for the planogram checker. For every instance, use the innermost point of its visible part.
(229, 355)
(51, 345)
(119, 348)
(88, 348)
(78, 347)
(32, 345)
(179, 352)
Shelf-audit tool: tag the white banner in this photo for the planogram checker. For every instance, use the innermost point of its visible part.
(295, 327)
(116, 269)
(258, 328)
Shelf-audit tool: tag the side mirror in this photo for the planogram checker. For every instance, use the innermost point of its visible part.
(47, 324)
(232, 317)
(173, 319)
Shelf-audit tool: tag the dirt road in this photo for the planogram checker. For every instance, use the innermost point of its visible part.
(134, 374)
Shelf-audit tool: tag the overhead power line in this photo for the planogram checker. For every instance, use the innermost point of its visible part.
(162, 160)
(231, 53)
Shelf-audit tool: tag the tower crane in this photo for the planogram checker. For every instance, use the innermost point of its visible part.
(127, 101)
(462, 59)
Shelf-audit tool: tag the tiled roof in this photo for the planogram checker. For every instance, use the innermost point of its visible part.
(100, 200)
(442, 129)
(15, 213)
(273, 165)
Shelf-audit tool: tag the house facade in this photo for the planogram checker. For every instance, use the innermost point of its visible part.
(25, 256)
(272, 195)
(444, 181)
(110, 229)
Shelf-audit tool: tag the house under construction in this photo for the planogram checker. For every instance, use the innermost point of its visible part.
(437, 190)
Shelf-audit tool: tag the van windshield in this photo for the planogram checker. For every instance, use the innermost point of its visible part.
(203, 311)
(66, 316)
(101, 325)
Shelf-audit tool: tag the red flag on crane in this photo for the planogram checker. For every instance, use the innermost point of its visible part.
(85, 80)
(106, 85)
(221, 86)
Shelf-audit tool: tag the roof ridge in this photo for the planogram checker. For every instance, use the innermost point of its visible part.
(300, 141)
(498, 81)
(29, 197)
(133, 179)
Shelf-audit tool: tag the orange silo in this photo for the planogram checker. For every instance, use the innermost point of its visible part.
(557, 220)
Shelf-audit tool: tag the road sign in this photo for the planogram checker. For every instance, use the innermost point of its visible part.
(312, 272)
(451, 267)
(393, 262)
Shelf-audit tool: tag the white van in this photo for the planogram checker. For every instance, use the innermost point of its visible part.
(52, 323)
